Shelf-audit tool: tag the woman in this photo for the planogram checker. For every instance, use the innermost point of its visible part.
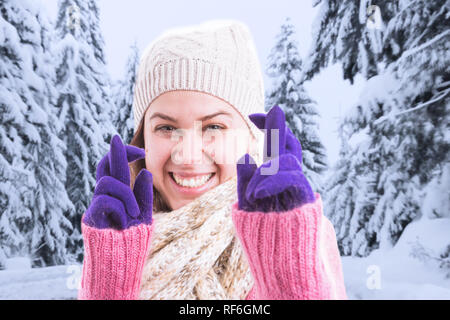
(215, 204)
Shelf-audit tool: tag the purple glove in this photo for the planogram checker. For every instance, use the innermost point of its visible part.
(114, 205)
(287, 188)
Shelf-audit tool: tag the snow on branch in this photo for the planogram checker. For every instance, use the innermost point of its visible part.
(410, 52)
(420, 106)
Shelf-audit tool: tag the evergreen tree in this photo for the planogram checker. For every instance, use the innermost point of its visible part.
(105, 106)
(285, 66)
(14, 129)
(123, 97)
(339, 194)
(33, 200)
(340, 35)
(403, 113)
(84, 106)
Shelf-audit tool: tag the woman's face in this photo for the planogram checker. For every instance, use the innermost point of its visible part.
(192, 143)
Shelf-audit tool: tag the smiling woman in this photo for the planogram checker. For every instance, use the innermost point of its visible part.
(184, 156)
(194, 220)
(193, 141)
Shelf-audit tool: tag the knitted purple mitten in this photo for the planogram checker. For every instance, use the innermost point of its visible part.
(114, 205)
(287, 188)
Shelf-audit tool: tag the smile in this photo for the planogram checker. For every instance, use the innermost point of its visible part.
(191, 182)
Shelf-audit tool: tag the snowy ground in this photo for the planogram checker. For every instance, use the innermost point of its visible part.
(40, 283)
(391, 274)
(395, 273)
(397, 279)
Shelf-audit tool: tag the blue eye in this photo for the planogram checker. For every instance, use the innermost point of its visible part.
(167, 128)
(164, 128)
(215, 127)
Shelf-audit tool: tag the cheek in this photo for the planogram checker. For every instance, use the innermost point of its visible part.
(227, 171)
(156, 156)
(226, 147)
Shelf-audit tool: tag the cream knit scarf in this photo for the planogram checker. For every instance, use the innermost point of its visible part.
(195, 253)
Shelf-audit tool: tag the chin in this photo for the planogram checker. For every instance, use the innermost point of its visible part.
(181, 204)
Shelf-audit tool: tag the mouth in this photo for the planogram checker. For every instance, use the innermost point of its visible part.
(193, 186)
(192, 181)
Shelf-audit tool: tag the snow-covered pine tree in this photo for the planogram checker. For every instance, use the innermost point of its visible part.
(14, 129)
(403, 113)
(123, 97)
(83, 102)
(340, 35)
(34, 202)
(339, 191)
(288, 92)
(415, 113)
(106, 108)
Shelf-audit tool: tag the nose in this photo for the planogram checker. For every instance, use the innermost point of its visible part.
(189, 149)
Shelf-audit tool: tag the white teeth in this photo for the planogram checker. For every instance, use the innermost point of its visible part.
(192, 182)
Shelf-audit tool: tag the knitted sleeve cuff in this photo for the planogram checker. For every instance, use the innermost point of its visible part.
(113, 262)
(251, 294)
(288, 254)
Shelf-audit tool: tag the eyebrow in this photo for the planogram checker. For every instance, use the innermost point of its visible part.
(166, 117)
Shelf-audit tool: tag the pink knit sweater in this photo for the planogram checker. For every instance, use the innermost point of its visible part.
(292, 255)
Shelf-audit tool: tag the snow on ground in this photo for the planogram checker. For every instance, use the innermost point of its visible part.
(395, 273)
(388, 274)
(39, 283)
(397, 279)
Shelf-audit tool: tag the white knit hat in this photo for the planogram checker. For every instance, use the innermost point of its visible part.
(217, 57)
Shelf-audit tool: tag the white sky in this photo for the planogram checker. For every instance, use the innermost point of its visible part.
(124, 21)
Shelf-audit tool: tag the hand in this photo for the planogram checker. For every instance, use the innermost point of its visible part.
(284, 190)
(114, 205)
